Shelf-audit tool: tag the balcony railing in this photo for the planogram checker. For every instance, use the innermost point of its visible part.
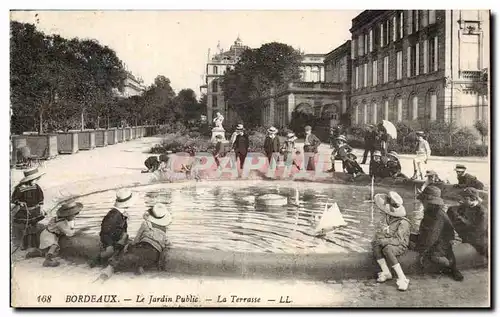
(471, 74)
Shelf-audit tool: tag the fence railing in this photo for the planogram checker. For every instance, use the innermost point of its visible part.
(49, 145)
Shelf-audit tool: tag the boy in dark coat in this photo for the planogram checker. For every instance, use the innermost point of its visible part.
(153, 163)
(466, 179)
(470, 220)
(114, 225)
(219, 149)
(240, 145)
(393, 167)
(436, 233)
(348, 159)
(271, 144)
(377, 167)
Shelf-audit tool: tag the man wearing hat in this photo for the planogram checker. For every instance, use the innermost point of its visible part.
(436, 234)
(466, 179)
(370, 142)
(241, 144)
(149, 243)
(311, 144)
(60, 225)
(271, 144)
(423, 152)
(470, 220)
(114, 225)
(288, 149)
(392, 237)
(349, 162)
(27, 201)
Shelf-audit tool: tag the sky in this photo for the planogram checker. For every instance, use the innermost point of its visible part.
(176, 43)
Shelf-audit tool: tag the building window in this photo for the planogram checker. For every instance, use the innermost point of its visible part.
(366, 44)
(356, 77)
(375, 73)
(469, 49)
(215, 70)
(413, 62)
(400, 109)
(386, 69)
(365, 75)
(382, 35)
(414, 109)
(386, 110)
(387, 32)
(365, 114)
(401, 25)
(315, 76)
(432, 57)
(426, 56)
(214, 101)
(215, 86)
(370, 40)
(415, 21)
(399, 65)
(433, 106)
(356, 114)
(432, 16)
(374, 113)
(360, 45)
(394, 28)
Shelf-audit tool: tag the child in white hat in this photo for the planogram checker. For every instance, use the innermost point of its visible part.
(60, 225)
(149, 243)
(392, 237)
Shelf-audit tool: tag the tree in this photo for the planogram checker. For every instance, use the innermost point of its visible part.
(258, 70)
(482, 128)
(186, 100)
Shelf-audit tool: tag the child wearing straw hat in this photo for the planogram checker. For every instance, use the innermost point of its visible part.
(60, 225)
(27, 200)
(271, 144)
(114, 225)
(149, 243)
(392, 237)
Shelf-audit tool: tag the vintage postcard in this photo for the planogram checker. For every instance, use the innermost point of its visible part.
(335, 158)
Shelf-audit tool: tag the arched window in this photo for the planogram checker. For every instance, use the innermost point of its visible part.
(431, 106)
(356, 113)
(386, 109)
(215, 86)
(365, 113)
(396, 111)
(413, 107)
(215, 70)
(374, 112)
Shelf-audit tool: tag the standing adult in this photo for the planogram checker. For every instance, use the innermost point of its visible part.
(423, 152)
(311, 144)
(370, 142)
(271, 144)
(241, 144)
(235, 133)
(383, 138)
(436, 233)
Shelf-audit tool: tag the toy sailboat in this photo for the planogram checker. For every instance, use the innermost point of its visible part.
(331, 219)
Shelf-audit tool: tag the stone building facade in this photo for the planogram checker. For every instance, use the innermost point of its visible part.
(321, 97)
(419, 65)
(216, 67)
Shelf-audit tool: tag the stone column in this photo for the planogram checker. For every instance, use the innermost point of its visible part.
(290, 106)
(322, 73)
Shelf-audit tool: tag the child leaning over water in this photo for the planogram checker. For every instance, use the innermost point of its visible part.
(60, 225)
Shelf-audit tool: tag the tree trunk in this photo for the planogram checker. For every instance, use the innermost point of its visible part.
(97, 127)
(83, 121)
(108, 122)
(40, 131)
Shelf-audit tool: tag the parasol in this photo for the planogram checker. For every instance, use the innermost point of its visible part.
(390, 128)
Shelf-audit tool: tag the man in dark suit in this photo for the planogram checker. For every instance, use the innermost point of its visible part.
(240, 145)
(311, 144)
(271, 144)
(370, 141)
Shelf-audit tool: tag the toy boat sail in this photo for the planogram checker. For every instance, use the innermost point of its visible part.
(331, 219)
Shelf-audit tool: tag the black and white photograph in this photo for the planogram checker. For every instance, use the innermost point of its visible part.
(244, 159)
